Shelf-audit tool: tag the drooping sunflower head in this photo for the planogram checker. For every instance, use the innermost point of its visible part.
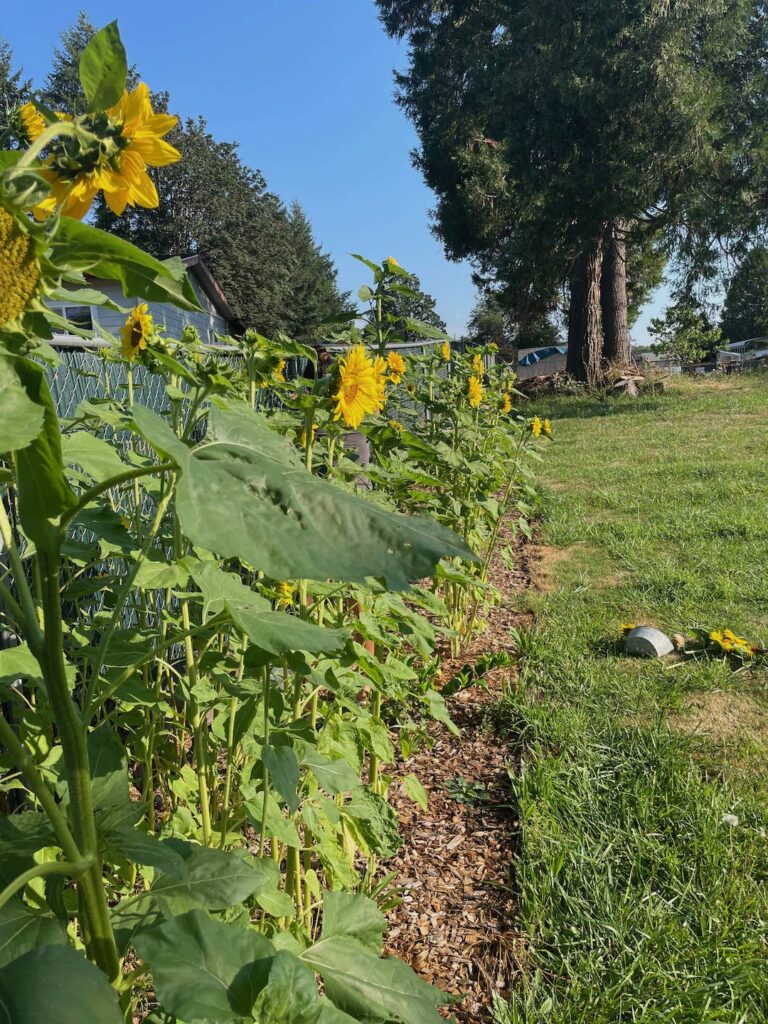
(116, 148)
(396, 365)
(137, 331)
(359, 391)
(475, 392)
(445, 351)
(478, 366)
(20, 271)
(536, 426)
(29, 123)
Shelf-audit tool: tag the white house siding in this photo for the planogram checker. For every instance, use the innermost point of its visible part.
(208, 322)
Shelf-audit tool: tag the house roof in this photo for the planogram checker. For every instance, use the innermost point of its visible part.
(210, 286)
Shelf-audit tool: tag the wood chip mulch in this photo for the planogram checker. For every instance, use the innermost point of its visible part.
(455, 923)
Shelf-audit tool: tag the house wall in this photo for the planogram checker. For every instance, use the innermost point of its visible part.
(207, 320)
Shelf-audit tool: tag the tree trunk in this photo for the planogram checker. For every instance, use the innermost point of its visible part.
(585, 334)
(613, 297)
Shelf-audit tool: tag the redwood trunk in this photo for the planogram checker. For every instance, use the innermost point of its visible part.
(585, 334)
(613, 297)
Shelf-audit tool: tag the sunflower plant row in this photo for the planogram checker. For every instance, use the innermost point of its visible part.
(219, 628)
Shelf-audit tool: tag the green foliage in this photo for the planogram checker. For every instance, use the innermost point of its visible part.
(685, 332)
(745, 312)
(639, 898)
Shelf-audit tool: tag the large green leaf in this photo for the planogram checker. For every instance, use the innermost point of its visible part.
(335, 776)
(274, 632)
(96, 457)
(244, 493)
(283, 770)
(372, 822)
(290, 995)
(22, 418)
(56, 984)
(103, 68)
(216, 879)
(22, 929)
(205, 970)
(44, 494)
(91, 251)
(18, 663)
(21, 835)
(362, 984)
(353, 916)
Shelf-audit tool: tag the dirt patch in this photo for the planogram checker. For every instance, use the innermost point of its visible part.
(542, 560)
(455, 924)
(721, 716)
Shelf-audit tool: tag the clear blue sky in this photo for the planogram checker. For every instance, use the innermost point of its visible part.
(305, 87)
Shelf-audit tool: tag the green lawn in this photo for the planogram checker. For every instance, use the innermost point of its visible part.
(640, 899)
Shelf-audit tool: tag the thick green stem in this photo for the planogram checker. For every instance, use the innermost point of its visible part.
(101, 940)
(264, 769)
(198, 728)
(373, 767)
(53, 867)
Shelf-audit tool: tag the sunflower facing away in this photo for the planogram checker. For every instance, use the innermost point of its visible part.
(133, 141)
(360, 392)
(31, 121)
(475, 392)
(138, 328)
(396, 365)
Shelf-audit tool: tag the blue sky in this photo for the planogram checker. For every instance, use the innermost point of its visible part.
(305, 87)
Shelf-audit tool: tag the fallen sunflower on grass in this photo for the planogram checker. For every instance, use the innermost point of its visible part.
(727, 642)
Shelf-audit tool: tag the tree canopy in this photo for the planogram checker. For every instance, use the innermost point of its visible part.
(557, 136)
(745, 312)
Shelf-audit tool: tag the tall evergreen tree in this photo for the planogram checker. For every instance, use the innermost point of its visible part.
(556, 135)
(213, 205)
(745, 312)
(14, 88)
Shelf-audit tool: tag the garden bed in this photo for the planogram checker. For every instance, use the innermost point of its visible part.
(455, 923)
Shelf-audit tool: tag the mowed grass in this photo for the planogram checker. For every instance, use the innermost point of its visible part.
(643, 793)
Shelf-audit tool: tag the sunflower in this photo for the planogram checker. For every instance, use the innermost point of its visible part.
(396, 365)
(392, 263)
(286, 595)
(626, 627)
(506, 403)
(19, 268)
(280, 372)
(131, 140)
(445, 351)
(475, 392)
(32, 121)
(360, 392)
(536, 426)
(478, 366)
(396, 425)
(546, 427)
(137, 330)
(380, 372)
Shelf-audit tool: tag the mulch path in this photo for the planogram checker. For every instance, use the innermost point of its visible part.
(455, 924)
